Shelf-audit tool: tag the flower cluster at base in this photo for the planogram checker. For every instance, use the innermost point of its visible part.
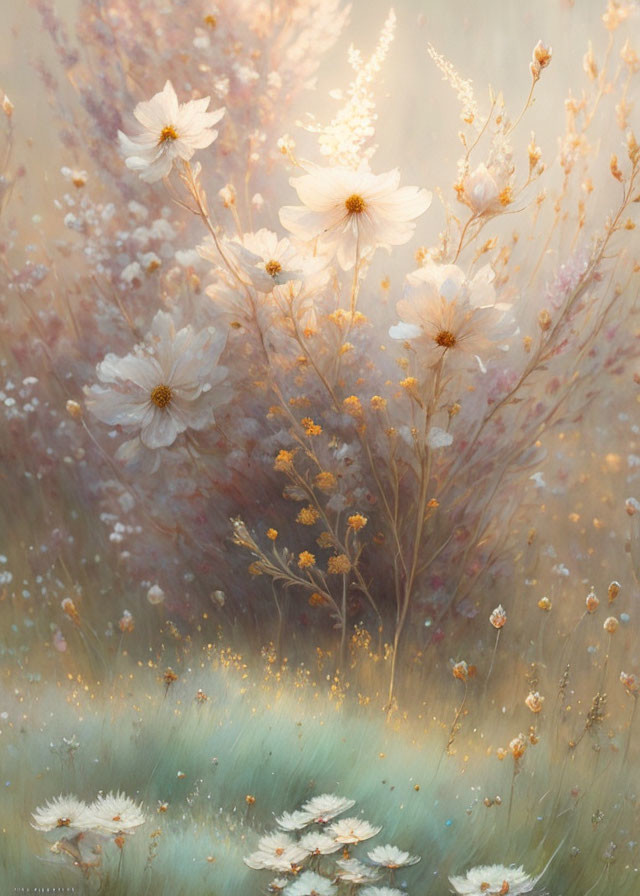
(280, 852)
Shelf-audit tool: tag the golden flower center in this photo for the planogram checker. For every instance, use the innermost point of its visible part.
(161, 396)
(168, 133)
(273, 267)
(279, 851)
(446, 339)
(355, 204)
(63, 822)
(116, 818)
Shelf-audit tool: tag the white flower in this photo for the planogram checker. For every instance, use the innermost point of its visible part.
(391, 857)
(116, 814)
(355, 872)
(310, 884)
(326, 806)
(172, 130)
(349, 212)
(353, 830)
(381, 891)
(493, 880)
(277, 852)
(277, 849)
(278, 884)
(165, 387)
(319, 843)
(62, 812)
(450, 315)
(264, 261)
(294, 821)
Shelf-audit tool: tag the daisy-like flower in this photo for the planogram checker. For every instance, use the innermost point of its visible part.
(493, 880)
(264, 261)
(294, 821)
(310, 884)
(326, 806)
(277, 852)
(353, 830)
(354, 872)
(452, 316)
(381, 891)
(172, 130)
(350, 212)
(116, 814)
(62, 812)
(391, 857)
(318, 843)
(166, 386)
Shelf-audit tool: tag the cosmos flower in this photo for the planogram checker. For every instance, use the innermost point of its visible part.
(493, 880)
(350, 212)
(451, 316)
(277, 852)
(165, 387)
(116, 814)
(353, 830)
(354, 872)
(264, 261)
(62, 812)
(172, 130)
(310, 884)
(326, 806)
(294, 821)
(391, 857)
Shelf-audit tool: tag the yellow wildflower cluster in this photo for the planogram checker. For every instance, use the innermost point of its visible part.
(310, 428)
(352, 406)
(308, 516)
(339, 565)
(306, 560)
(325, 481)
(284, 461)
(357, 521)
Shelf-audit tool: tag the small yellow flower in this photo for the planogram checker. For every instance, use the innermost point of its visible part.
(611, 624)
(272, 534)
(613, 591)
(325, 481)
(339, 565)
(592, 602)
(317, 600)
(517, 746)
(498, 617)
(461, 671)
(284, 461)
(306, 560)
(357, 521)
(534, 701)
(545, 604)
(325, 540)
(255, 569)
(352, 406)
(378, 403)
(308, 516)
(310, 428)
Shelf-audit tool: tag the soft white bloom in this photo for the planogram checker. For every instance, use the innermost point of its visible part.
(62, 812)
(310, 884)
(353, 830)
(166, 386)
(294, 821)
(493, 880)
(319, 843)
(326, 806)
(116, 814)
(155, 594)
(381, 891)
(350, 212)
(391, 857)
(452, 316)
(277, 852)
(278, 884)
(264, 261)
(354, 872)
(172, 130)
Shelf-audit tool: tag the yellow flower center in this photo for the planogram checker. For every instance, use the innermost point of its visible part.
(116, 818)
(446, 339)
(168, 133)
(161, 396)
(355, 204)
(273, 267)
(63, 822)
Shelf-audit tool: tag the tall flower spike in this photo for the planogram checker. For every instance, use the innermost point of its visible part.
(172, 130)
